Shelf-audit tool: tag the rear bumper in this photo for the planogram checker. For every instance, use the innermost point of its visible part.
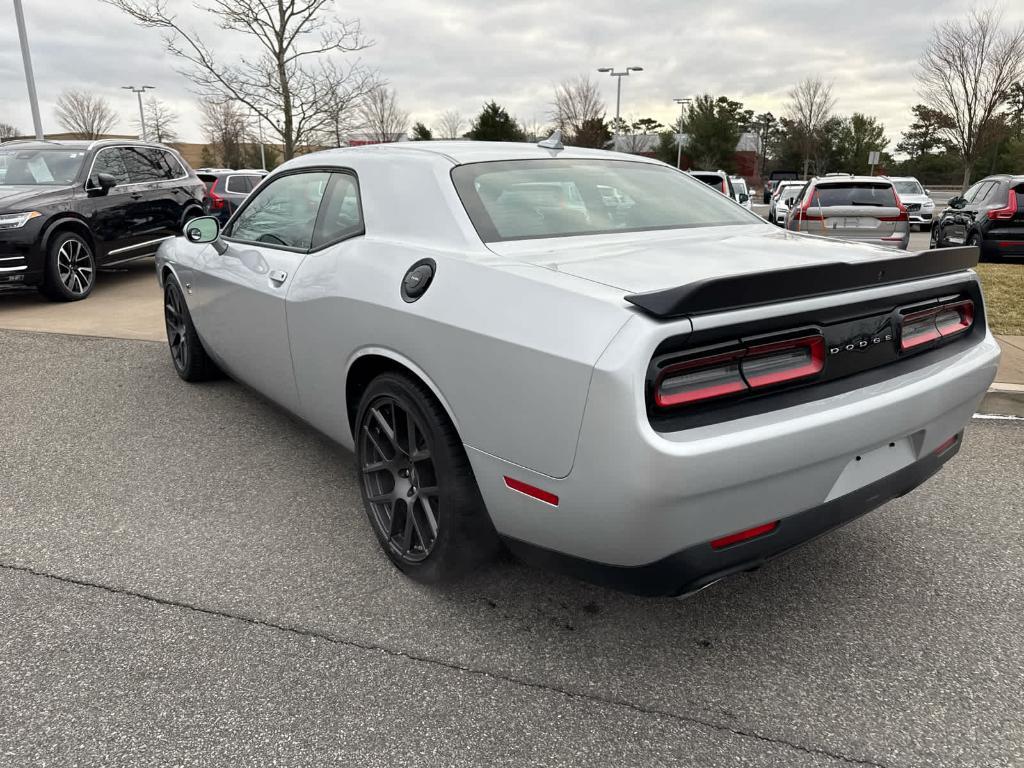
(1006, 246)
(701, 565)
(636, 498)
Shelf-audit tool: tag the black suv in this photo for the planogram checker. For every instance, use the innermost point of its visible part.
(70, 207)
(989, 215)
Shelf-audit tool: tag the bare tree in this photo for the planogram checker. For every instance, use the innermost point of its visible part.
(342, 106)
(382, 119)
(160, 120)
(810, 106)
(577, 103)
(8, 131)
(450, 124)
(292, 72)
(966, 73)
(224, 126)
(84, 114)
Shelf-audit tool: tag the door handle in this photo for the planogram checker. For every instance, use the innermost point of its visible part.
(277, 276)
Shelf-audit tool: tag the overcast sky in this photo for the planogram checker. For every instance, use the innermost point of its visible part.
(456, 54)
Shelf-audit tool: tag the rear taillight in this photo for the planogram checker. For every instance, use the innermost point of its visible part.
(922, 327)
(216, 201)
(901, 216)
(702, 379)
(803, 212)
(784, 361)
(1007, 212)
(740, 370)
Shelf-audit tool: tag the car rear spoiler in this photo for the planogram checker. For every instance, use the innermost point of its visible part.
(720, 294)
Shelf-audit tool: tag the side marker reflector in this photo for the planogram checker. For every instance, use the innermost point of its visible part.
(532, 491)
(750, 533)
(946, 446)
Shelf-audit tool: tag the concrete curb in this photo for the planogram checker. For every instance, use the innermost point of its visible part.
(1003, 400)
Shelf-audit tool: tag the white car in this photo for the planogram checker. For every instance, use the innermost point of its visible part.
(739, 185)
(589, 356)
(916, 199)
(778, 208)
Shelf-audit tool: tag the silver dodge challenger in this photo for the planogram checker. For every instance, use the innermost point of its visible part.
(588, 357)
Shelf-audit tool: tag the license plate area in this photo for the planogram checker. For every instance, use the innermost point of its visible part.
(869, 466)
(853, 222)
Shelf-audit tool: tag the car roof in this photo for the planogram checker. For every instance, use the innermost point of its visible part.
(844, 179)
(79, 143)
(463, 152)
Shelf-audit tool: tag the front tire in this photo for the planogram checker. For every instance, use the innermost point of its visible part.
(70, 268)
(418, 488)
(189, 357)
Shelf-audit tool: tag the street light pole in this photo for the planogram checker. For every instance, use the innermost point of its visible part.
(618, 88)
(142, 114)
(679, 134)
(30, 78)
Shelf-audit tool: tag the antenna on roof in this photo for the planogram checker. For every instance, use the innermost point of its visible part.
(554, 141)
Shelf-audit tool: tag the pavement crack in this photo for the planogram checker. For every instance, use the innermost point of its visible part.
(453, 666)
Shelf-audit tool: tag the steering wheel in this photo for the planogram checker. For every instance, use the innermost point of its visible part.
(268, 237)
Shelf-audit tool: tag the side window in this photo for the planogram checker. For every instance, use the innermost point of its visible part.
(241, 185)
(341, 215)
(144, 164)
(998, 193)
(110, 161)
(977, 192)
(283, 212)
(172, 165)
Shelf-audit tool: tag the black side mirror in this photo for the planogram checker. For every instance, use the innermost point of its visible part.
(102, 183)
(744, 197)
(956, 202)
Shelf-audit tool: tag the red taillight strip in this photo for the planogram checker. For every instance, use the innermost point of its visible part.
(964, 310)
(531, 490)
(707, 393)
(750, 533)
(816, 345)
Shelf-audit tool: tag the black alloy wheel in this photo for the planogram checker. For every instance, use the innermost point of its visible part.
(418, 488)
(187, 353)
(400, 479)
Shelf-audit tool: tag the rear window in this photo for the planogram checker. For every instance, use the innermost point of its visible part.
(524, 199)
(908, 188)
(856, 193)
(711, 179)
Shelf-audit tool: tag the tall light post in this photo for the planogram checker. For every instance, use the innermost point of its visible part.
(30, 78)
(618, 88)
(138, 92)
(679, 134)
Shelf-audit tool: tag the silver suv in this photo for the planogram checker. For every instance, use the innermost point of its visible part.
(919, 204)
(865, 209)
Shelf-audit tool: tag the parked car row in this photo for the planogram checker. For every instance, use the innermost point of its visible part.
(69, 208)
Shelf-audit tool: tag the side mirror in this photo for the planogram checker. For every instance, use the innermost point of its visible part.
(102, 183)
(744, 197)
(789, 201)
(205, 229)
(956, 202)
(928, 193)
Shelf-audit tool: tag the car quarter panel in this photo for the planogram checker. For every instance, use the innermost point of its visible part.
(510, 348)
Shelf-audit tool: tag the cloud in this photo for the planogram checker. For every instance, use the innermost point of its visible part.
(457, 54)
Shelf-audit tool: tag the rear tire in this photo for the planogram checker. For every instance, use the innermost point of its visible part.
(975, 240)
(70, 268)
(418, 488)
(189, 357)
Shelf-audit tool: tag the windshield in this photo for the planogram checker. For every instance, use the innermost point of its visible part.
(908, 188)
(37, 167)
(523, 199)
(854, 194)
